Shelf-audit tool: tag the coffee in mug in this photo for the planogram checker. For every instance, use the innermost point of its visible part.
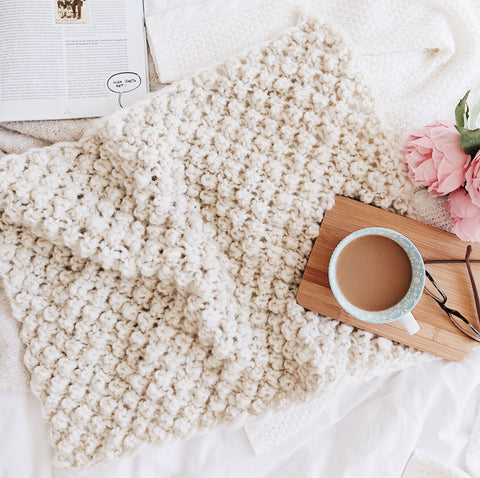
(377, 275)
(373, 272)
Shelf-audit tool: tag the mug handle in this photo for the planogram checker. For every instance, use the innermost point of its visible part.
(409, 323)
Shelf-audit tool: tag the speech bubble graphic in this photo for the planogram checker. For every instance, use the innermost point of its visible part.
(123, 83)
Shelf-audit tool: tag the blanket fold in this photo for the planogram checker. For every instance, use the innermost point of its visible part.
(154, 263)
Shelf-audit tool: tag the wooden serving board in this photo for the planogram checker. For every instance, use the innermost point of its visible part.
(437, 334)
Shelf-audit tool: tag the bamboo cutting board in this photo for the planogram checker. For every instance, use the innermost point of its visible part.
(437, 334)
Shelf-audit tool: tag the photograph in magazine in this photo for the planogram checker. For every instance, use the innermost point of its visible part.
(71, 12)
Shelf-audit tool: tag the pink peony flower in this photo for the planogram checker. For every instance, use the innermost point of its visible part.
(435, 158)
(473, 180)
(465, 215)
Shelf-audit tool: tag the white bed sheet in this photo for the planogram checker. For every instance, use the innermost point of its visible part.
(368, 431)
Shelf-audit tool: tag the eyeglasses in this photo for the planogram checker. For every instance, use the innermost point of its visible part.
(437, 294)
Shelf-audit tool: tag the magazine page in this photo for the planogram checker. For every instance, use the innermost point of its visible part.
(70, 58)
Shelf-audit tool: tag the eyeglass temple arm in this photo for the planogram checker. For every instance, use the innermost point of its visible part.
(472, 280)
(451, 261)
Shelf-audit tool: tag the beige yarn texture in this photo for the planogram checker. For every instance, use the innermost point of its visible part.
(154, 263)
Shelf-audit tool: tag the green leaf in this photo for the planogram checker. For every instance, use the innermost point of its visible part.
(460, 111)
(469, 139)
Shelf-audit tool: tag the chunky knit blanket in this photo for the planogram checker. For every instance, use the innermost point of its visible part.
(154, 263)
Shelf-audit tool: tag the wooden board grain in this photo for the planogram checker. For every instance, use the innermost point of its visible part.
(437, 334)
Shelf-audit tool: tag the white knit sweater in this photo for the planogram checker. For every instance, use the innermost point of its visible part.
(154, 264)
(419, 56)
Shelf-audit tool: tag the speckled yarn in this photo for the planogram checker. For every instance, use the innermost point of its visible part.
(154, 264)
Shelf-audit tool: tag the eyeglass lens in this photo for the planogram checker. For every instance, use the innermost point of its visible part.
(470, 326)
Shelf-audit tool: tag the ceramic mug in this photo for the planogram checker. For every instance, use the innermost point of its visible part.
(401, 311)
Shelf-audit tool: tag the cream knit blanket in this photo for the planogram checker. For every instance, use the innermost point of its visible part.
(154, 263)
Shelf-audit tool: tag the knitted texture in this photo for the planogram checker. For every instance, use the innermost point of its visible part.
(154, 263)
(418, 57)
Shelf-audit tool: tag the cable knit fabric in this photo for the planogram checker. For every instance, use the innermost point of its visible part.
(154, 263)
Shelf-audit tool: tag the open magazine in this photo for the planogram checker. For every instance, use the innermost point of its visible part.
(70, 58)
